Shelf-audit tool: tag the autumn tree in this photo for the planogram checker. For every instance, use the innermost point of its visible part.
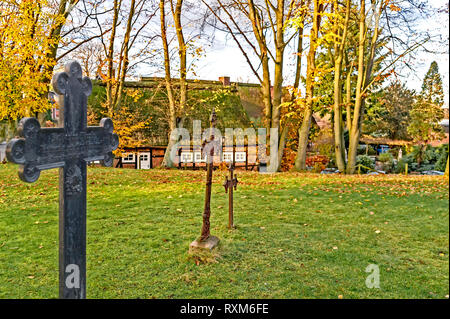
(124, 43)
(30, 33)
(379, 49)
(261, 29)
(311, 74)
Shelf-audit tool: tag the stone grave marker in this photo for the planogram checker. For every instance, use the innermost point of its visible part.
(68, 147)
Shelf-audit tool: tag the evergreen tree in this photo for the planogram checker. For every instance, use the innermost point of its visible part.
(388, 113)
(432, 90)
(427, 111)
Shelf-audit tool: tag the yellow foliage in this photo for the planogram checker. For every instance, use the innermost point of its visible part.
(127, 126)
(24, 48)
(135, 94)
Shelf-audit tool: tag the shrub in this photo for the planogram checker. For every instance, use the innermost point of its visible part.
(320, 159)
(318, 167)
(442, 158)
(372, 151)
(425, 167)
(288, 161)
(387, 161)
(366, 161)
(401, 165)
(386, 157)
(361, 150)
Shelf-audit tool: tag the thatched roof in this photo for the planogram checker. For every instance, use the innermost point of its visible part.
(383, 141)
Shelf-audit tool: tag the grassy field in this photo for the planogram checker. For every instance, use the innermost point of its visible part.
(297, 236)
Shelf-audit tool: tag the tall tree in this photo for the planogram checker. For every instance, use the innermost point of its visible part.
(379, 49)
(389, 114)
(427, 112)
(176, 108)
(341, 32)
(259, 28)
(318, 9)
(117, 46)
(432, 89)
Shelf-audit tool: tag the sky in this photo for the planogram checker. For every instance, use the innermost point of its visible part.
(223, 57)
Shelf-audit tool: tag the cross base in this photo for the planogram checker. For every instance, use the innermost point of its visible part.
(208, 244)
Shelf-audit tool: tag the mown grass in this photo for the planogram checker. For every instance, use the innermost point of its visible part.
(297, 236)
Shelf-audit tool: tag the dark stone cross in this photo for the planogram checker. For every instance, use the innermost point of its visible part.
(68, 147)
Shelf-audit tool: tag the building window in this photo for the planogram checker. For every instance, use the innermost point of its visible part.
(240, 156)
(186, 157)
(198, 157)
(128, 158)
(227, 157)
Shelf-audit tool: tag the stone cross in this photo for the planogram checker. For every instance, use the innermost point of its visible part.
(68, 147)
(230, 184)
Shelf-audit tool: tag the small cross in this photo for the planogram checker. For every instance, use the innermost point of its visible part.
(68, 147)
(230, 184)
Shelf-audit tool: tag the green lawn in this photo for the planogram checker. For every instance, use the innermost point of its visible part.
(298, 236)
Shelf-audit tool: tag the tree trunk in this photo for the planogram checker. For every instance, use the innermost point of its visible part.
(300, 161)
(282, 145)
(110, 81)
(124, 59)
(298, 67)
(266, 89)
(176, 112)
(339, 144)
(348, 98)
(182, 56)
(303, 133)
(359, 100)
(167, 161)
(278, 81)
(338, 121)
(446, 167)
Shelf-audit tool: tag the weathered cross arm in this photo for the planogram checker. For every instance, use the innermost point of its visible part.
(40, 149)
(232, 181)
